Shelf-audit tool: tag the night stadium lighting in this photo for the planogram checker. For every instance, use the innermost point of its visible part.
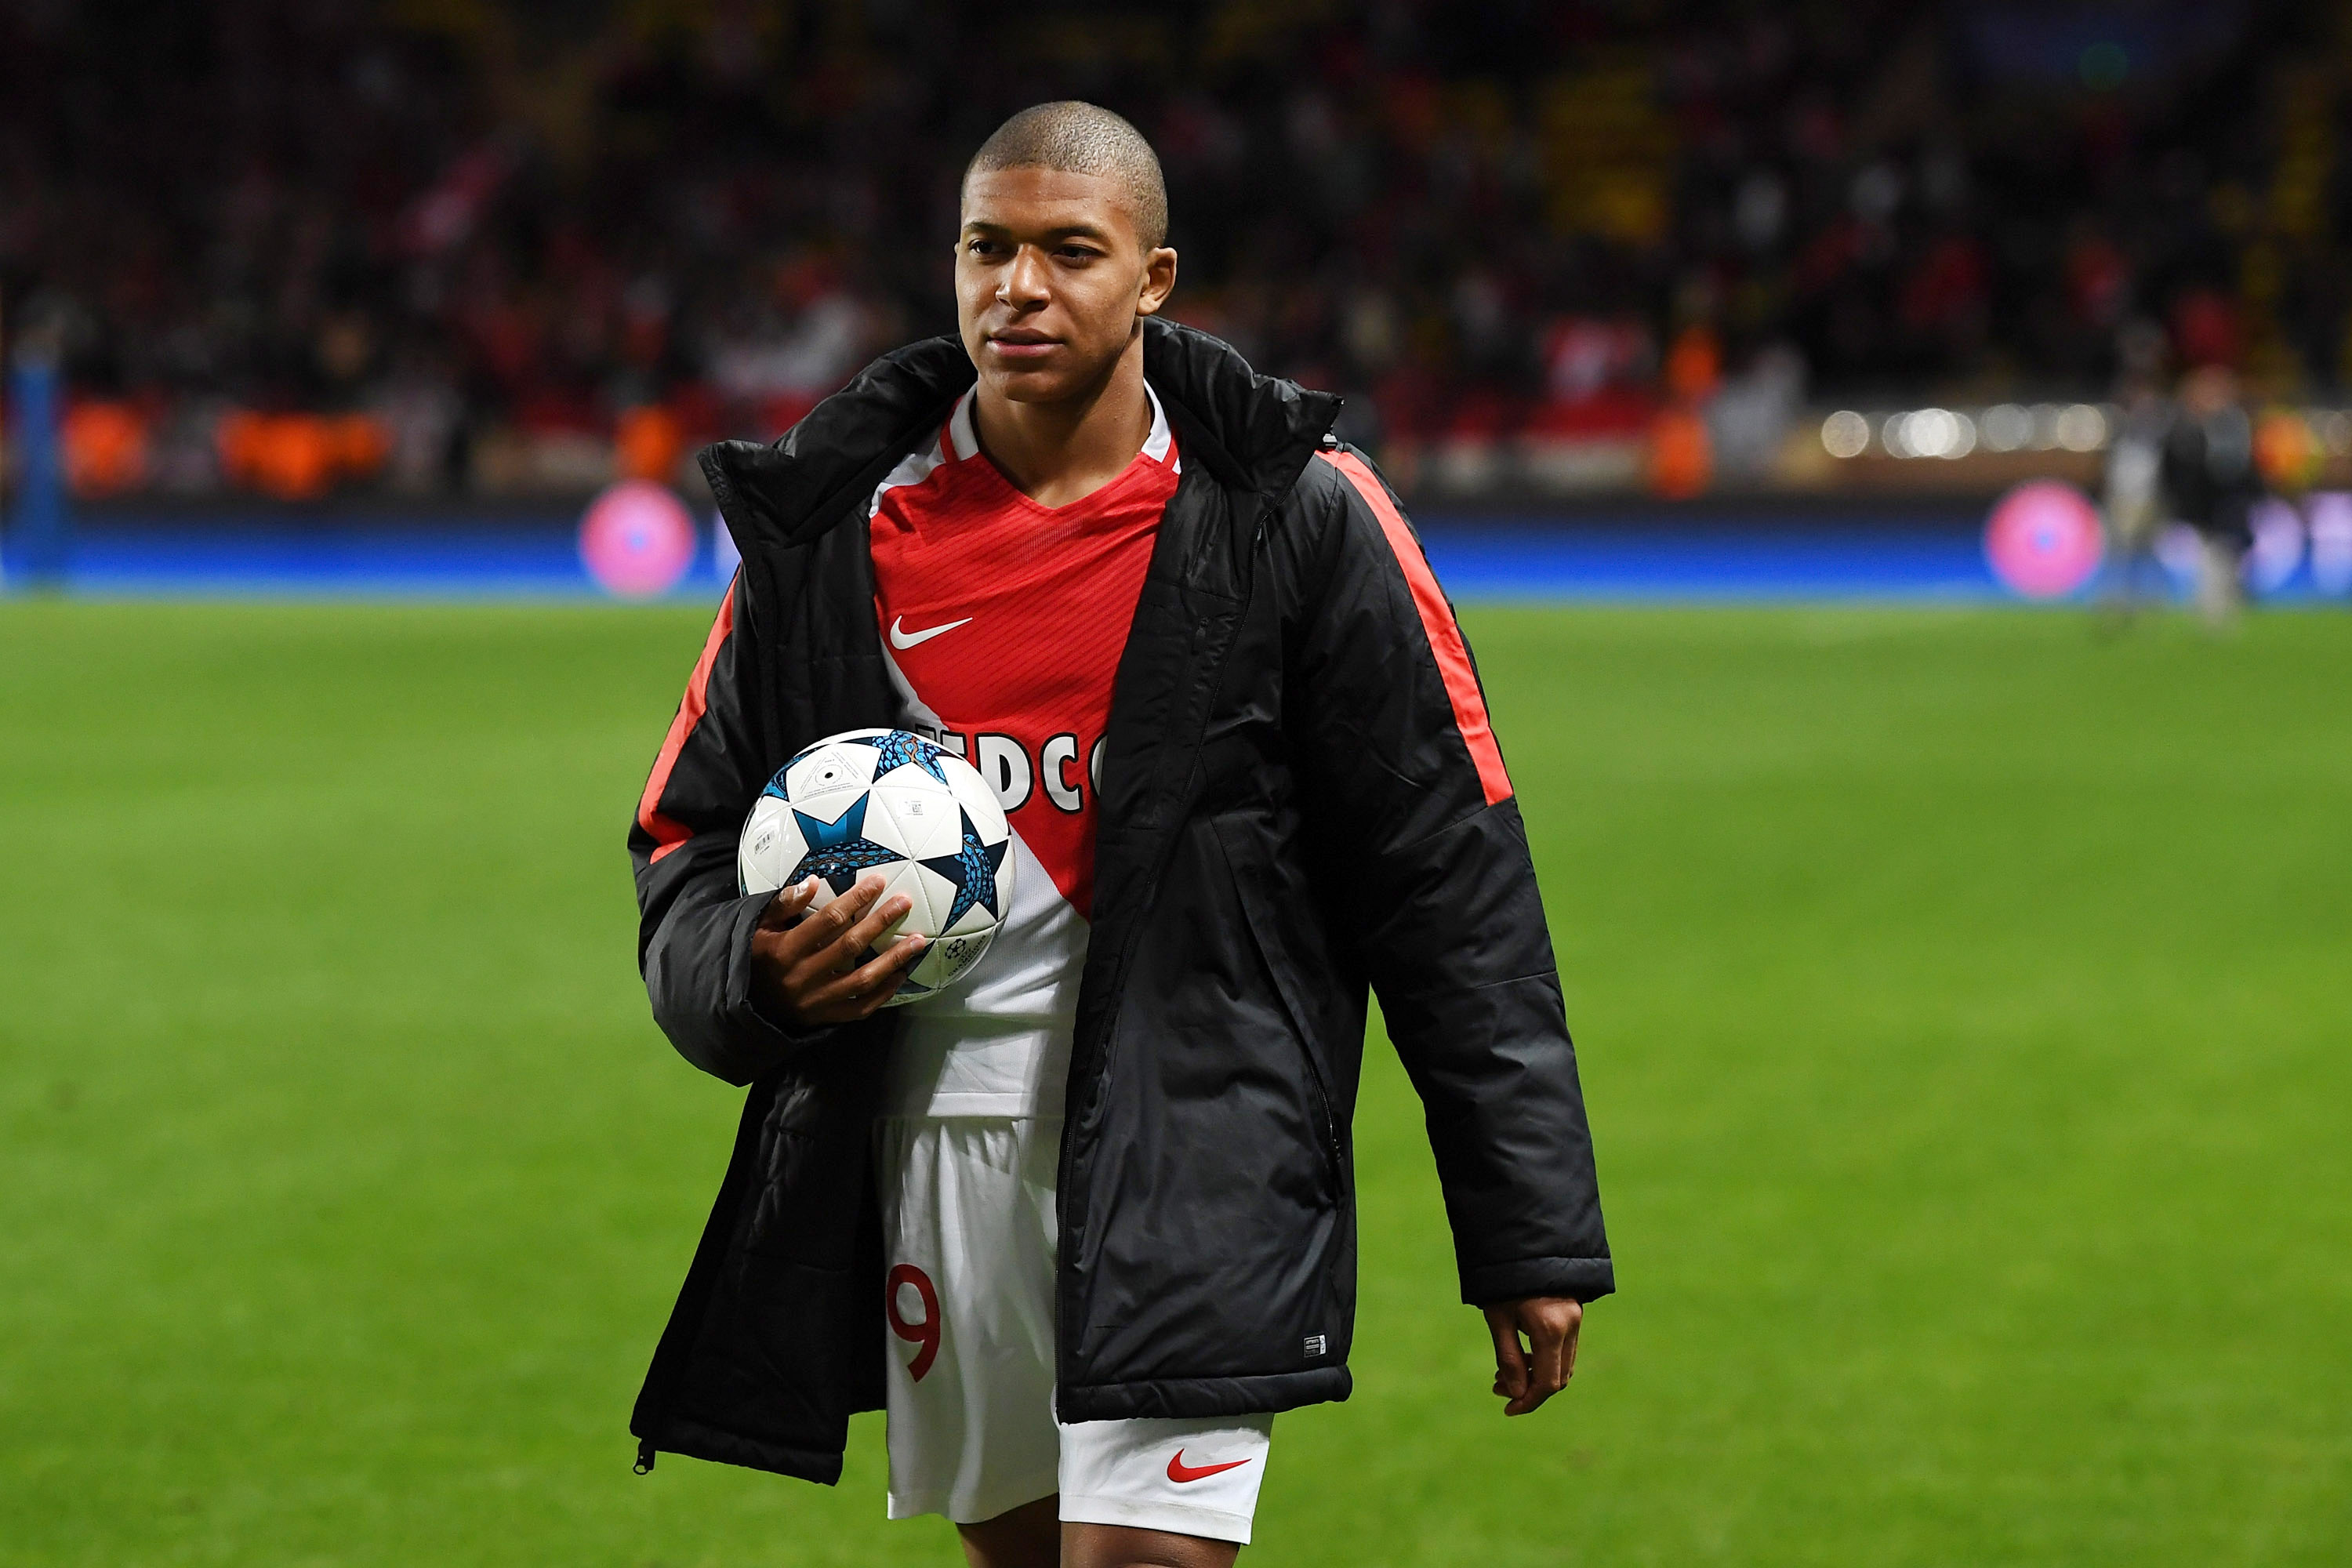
(1846, 434)
(2005, 426)
(1950, 433)
(1938, 433)
(2080, 427)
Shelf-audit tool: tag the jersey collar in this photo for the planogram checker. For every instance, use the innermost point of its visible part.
(961, 441)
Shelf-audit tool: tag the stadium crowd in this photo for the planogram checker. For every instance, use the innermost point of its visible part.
(438, 245)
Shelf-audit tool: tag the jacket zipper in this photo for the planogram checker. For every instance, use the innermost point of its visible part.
(1315, 1084)
(1330, 1120)
(1314, 1068)
(1098, 1062)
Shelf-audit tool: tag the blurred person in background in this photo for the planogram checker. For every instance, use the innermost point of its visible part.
(2211, 481)
(2132, 493)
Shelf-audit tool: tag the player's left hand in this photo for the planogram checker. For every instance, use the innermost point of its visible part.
(1529, 1375)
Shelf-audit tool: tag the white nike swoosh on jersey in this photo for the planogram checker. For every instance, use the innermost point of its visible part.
(902, 637)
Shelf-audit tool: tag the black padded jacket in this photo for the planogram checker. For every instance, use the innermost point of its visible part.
(1300, 796)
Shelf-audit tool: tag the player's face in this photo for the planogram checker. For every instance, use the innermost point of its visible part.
(1052, 281)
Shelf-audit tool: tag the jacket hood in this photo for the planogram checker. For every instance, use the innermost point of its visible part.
(1253, 431)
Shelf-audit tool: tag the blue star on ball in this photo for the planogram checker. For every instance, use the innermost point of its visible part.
(838, 851)
(972, 870)
(899, 749)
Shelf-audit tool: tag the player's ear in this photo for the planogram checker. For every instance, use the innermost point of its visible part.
(1159, 281)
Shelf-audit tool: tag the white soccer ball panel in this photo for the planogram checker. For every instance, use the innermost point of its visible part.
(958, 955)
(951, 958)
(939, 899)
(979, 801)
(906, 877)
(826, 805)
(916, 816)
(914, 774)
(828, 767)
(770, 846)
(754, 848)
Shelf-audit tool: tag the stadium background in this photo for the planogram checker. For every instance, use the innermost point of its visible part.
(1960, 986)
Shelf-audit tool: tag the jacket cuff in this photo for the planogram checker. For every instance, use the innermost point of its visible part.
(1578, 1279)
(755, 1042)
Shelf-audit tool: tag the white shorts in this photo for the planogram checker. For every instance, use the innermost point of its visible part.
(968, 1222)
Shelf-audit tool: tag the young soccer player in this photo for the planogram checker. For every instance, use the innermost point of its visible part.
(1085, 1224)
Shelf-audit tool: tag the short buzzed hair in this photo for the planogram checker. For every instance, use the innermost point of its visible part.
(1080, 138)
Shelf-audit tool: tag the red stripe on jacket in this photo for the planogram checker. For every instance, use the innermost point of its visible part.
(1437, 621)
(667, 833)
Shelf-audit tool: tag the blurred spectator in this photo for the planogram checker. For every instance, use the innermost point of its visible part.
(2211, 479)
(2132, 488)
(495, 230)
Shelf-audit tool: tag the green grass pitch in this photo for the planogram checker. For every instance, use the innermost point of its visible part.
(1964, 1005)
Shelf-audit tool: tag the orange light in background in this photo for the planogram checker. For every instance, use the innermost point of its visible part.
(2287, 451)
(299, 457)
(1681, 461)
(234, 441)
(361, 444)
(648, 442)
(1694, 364)
(294, 457)
(105, 449)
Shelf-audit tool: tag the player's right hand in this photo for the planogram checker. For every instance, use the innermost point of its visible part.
(810, 964)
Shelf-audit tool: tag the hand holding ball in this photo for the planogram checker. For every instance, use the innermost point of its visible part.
(897, 862)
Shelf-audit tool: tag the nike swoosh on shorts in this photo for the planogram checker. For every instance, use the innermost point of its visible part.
(1181, 1472)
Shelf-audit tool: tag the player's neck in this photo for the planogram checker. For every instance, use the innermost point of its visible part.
(1057, 453)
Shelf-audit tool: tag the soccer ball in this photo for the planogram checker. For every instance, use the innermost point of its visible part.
(888, 801)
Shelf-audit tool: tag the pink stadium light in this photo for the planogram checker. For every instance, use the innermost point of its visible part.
(2043, 539)
(637, 540)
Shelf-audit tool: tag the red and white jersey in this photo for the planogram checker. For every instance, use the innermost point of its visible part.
(1002, 621)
